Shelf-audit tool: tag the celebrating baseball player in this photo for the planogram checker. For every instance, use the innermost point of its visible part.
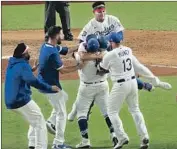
(50, 65)
(92, 87)
(103, 24)
(123, 65)
(19, 78)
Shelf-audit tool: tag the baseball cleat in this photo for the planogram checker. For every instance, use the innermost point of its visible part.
(149, 87)
(114, 139)
(71, 116)
(31, 147)
(165, 85)
(84, 144)
(121, 143)
(51, 127)
(63, 146)
(144, 143)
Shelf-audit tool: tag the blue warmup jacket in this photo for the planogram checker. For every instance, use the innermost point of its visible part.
(19, 78)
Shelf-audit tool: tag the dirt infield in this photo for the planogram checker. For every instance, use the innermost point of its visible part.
(151, 48)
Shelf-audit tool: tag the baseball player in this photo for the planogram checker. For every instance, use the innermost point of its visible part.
(102, 25)
(19, 78)
(92, 87)
(50, 65)
(123, 65)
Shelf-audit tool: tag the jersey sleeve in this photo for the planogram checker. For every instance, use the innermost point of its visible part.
(117, 24)
(82, 47)
(56, 61)
(87, 30)
(28, 76)
(62, 50)
(105, 63)
(140, 68)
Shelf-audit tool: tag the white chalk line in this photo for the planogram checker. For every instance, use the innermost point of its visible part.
(163, 66)
(160, 66)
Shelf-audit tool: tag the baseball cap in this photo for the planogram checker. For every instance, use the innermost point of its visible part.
(103, 42)
(91, 36)
(115, 37)
(92, 45)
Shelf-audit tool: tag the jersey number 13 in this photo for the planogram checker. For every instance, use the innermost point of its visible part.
(127, 64)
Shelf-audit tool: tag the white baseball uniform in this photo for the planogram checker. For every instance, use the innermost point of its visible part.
(120, 62)
(110, 24)
(92, 87)
(37, 133)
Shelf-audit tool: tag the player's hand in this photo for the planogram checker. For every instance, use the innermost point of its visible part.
(76, 56)
(164, 85)
(55, 88)
(100, 55)
(35, 66)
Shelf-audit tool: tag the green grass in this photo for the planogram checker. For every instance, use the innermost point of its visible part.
(133, 15)
(158, 107)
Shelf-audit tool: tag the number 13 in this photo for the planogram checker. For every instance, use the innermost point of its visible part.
(127, 64)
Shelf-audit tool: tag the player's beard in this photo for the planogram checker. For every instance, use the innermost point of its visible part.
(59, 41)
(26, 56)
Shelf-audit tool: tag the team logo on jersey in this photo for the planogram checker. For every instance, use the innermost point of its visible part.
(106, 30)
(84, 33)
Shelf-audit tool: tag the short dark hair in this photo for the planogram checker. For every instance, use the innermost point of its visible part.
(53, 31)
(96, 4)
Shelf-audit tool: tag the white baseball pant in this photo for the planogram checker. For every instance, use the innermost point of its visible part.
(32, 113)
(127, 91)
(87, 93)
(58, 115)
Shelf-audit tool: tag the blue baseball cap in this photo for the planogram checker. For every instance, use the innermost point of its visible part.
(93, 45)
(115, 37)
(103, 42)
(91, 36)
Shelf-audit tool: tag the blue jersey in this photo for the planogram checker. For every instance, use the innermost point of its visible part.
(49, 65)
(19, 78)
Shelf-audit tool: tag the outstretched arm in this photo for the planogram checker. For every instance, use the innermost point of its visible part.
(27, 76)
(145, 72)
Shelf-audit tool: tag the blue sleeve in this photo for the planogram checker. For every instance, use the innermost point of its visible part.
(55, 61)
(29, 78)
(62, 50)
(140, 84)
